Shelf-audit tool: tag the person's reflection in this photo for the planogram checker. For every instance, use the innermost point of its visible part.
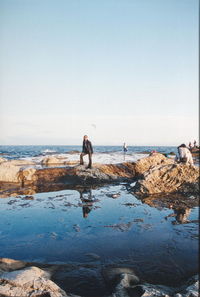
(87, 201)
(181, 215)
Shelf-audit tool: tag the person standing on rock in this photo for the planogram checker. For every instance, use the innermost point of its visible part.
(86, 150)
(125, 149)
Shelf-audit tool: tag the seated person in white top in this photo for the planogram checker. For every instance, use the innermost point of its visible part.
(184, 155)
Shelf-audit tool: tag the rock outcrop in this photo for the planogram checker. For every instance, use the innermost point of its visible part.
(151, 161)
(158, 174)
(167, 178)
(155, 174)
(51, 160)
(30, 281)
(18, 278)
(126, 288)
(68, 174)
(9, 172)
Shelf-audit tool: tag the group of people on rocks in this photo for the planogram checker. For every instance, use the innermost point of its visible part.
(184, 154)
(194, 145)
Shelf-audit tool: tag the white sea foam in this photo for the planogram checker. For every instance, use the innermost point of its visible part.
(100, 158)
(48, 151)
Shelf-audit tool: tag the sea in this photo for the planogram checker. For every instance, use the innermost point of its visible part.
(32, 151)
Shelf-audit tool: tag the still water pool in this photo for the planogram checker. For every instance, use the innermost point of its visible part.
(106, 225)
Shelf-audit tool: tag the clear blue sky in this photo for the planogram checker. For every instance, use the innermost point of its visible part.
(118, 70)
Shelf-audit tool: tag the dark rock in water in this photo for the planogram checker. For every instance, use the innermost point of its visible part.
(93, 256)
(83, 281)
(121, 226)
(77, 228)
(113, 274)
(28, 198)
(115, 195)
(73, 152)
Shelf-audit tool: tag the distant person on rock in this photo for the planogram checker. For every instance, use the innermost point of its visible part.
(190, 145)
(125, 149)
(195, 144)
(86, 150)
(184, 155)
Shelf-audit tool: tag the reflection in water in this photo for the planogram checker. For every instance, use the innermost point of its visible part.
(52, 227)
(181, 215)
(87, 201)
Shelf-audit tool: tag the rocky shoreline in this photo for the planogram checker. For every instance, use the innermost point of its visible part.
(156, 180)
(18, 278)
(155, 174)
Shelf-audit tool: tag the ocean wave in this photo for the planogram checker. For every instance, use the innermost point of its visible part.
(48, 151)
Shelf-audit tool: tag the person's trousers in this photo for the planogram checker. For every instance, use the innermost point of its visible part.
(89, 156)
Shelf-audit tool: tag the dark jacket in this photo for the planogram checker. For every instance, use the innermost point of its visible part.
(87, 147)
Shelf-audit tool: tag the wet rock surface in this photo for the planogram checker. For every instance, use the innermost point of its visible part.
(34, 279)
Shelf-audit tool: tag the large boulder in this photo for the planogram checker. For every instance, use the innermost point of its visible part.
(153, 160)
(30, 281)
(13, 170)
(168, 178)
(9, 172)
(126, 288)
(51, 160)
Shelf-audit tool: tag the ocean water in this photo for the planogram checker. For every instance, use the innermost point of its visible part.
(71, 225)
(29, 151)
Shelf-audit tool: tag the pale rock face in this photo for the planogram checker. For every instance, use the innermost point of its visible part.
(28, 173)
(9, 172)
(31, 281)
(13, 171)
(146, 163)
(52, 160)
(166, 178)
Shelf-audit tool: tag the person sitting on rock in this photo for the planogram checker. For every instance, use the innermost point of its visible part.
(86, 150)
(184, 155)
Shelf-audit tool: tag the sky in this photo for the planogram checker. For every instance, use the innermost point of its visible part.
(116, 70)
